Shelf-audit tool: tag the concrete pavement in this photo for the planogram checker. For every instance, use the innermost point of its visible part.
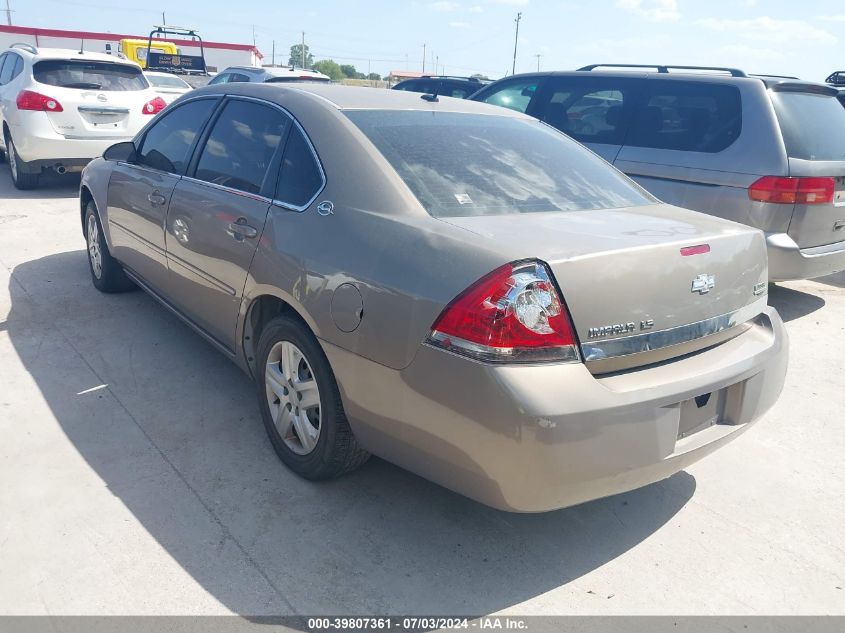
(136, 478)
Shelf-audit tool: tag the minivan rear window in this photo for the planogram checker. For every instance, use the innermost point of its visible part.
(813, 125)
(461, 164)
(89, 75)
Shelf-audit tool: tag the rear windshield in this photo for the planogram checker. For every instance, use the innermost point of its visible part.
(161, 81)
(813, 125)
(469, 164)
(88, 75)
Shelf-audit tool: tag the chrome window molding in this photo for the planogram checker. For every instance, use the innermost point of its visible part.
(627, 345)
(238, 192)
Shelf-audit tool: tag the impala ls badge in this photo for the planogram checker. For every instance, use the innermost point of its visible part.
(703, 284)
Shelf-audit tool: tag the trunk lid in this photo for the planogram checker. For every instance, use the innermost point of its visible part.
(812, 122)
(623, 276)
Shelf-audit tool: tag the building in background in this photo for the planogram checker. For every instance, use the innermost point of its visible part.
(218, 55)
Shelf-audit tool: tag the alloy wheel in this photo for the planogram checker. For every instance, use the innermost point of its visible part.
(95, 254)
(293, 397)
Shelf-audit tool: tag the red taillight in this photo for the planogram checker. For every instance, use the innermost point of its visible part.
(155, 106)
(698, 249)
(514, 314)
(29, 100)
(782, 190)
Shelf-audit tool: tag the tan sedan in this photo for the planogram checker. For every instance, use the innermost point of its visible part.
(456, 288)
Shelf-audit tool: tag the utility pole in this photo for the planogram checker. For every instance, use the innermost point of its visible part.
(273, 63)
(437, 64)
(163, 17)
(516, 41)
(538, 56)
(303, 49)
(423, 59)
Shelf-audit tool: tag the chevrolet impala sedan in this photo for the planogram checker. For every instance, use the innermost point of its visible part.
(454, 287)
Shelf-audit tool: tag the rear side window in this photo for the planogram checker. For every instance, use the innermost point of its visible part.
(515, 95)
(241, 146)
(813, 125)
(687, 116)
(166, 144)
(416, 86)
(459, 164)
(18, 66)
(301, 177)
(7, 65)
(87, 75)
(590, 109)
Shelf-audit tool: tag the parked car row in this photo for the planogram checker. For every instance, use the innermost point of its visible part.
(61, 108)
(451, 285)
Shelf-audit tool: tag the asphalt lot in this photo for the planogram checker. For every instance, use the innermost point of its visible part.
(135, 477)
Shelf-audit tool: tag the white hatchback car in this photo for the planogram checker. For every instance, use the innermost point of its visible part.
(61, 108)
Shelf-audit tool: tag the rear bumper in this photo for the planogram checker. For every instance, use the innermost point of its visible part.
(788, 261)
(40, 146)
(532, 439)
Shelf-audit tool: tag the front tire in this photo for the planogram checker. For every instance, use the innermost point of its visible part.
(106, 272)
(300, 403)
(21, 178)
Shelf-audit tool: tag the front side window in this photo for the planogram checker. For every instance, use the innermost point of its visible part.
(241, 146)
(459, 164)
(687, 116)
(167, 143)
(89, 75)
(590, 109)
(515, 95)
(301, 177)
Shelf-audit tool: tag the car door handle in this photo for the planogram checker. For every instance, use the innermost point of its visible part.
(156, 199)
(240, 229)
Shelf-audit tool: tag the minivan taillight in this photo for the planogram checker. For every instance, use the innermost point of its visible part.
(154, 106)
(30, 100)
(513, 315)
(782, 190)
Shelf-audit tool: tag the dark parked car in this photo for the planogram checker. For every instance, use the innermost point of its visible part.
(458, 87)
(761, 150)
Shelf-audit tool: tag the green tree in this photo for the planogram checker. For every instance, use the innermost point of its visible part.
(296, 56)
(348, 71)
(329, 67)
(480, 76)
(374, 77)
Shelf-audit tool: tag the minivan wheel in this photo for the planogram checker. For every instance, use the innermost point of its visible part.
(106, 273)
(300, 403)
(21, 178)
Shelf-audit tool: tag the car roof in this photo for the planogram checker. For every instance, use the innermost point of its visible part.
(769, 81)
(71, 54)
(340, 97)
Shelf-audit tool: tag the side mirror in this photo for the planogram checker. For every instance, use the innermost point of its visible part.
(125, 152)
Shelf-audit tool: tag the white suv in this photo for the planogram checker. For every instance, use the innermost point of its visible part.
(60, 108)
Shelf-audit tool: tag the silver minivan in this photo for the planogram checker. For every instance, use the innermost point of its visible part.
(765, 151)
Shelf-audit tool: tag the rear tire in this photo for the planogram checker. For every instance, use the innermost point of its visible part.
(313, 440)
(106, 272)
(21, 178)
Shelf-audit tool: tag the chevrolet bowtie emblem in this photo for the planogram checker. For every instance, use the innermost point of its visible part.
(703, 284)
